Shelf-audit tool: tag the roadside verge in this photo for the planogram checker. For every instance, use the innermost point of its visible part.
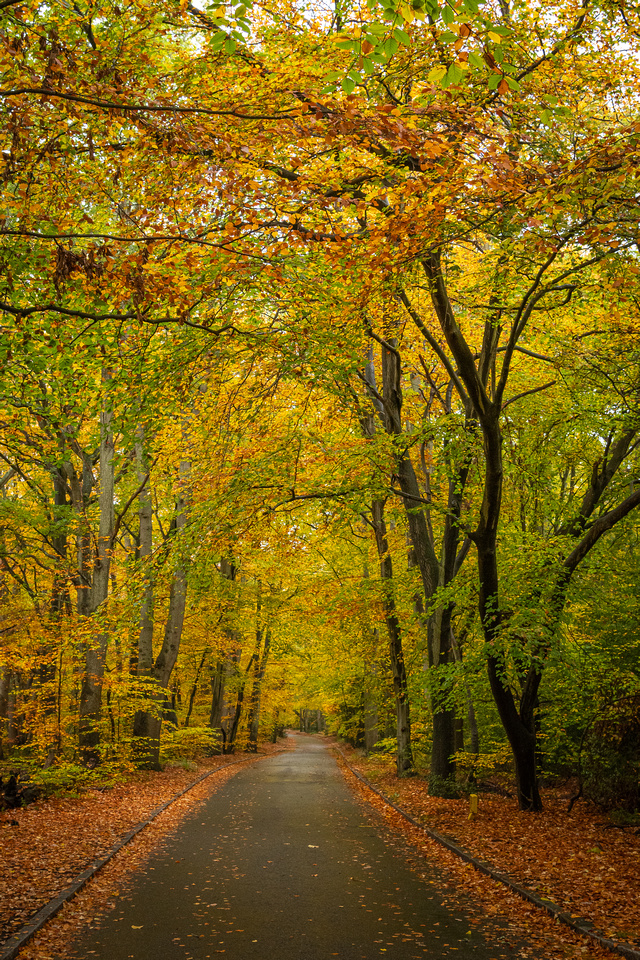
(581, 927)
(10, 948)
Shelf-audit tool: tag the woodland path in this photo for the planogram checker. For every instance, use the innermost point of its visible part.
(282, 863)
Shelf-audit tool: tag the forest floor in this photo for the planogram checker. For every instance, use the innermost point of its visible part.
(47, 844)
(580, 860)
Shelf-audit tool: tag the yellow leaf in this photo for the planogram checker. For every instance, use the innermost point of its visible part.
(436, 74)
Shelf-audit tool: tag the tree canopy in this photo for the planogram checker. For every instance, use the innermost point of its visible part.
(320, 381)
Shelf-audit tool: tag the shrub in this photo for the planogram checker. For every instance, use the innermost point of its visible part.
(190, 743)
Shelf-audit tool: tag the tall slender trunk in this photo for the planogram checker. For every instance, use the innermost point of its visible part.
(226, 666)
(472, 721)
(92, 679)
(194, 685)
(59, 604)
(370, 705)
(256, 693)
(433, 574)
(145, 550)
(233, 731)
(148, 723)
(5, 691)
(404, 754)
(370, 700)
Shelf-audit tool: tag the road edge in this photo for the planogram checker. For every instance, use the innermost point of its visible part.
(11, 947)
(622, 949)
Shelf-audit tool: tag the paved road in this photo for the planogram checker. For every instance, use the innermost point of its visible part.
(283, 864)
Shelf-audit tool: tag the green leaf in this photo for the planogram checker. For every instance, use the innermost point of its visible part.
(448, 16)
(229, 45)
(348, 85)
(448, 37)
(333, 75)
(454, 74)
(402, 36)
(368, 66)
(513, 84)
(390, 46)
(494, 80)
(476, 60)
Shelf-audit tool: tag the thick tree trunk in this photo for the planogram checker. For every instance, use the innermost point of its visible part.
(472, 721)
(521, 739)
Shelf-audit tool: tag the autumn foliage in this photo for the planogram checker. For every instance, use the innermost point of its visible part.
(320, 387)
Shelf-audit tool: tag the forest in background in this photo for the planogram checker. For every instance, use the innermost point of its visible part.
(320, 385)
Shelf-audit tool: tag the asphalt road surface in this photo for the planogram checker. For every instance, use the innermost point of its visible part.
(282, 863)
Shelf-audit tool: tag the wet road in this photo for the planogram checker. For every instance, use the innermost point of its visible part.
(281, 863)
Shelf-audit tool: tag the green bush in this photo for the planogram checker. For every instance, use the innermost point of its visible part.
(64, 779)
(190, 743)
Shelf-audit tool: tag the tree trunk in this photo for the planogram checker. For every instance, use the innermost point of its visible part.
(194, 687)
(256, 693)
(472, 722)
(225, 668)
(432, 573)
(404, 754)
(5, 690)
(92, 679)
(233, 732)
(371, 720)
(218, 676)
(521, 739)
(148, 724)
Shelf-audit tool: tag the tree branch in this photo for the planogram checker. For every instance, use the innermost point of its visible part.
(433, 343)
(601, 526)
(527, 393)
